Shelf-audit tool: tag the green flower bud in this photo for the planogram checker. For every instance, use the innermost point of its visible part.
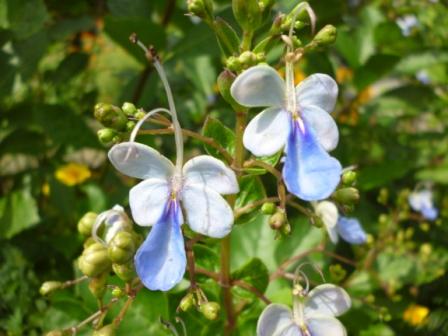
(268, 208)
(278, 220)
(225, 80)
(125, 272)
(187, 302)
(49, 287)
(210, 310)
(349, 178)
(110, 116)
(94, 260)
(117, 292)
(247, 13)
(326, 36)
(130, 125)
(121, 248)
(227, 37)
(107, 330)
(286, 229)
(140, 114)
(201, 8)
(346, 196)
(233, 64)
(86, 222)
(97, 286)
(383, 196)
(107, 136)
(89, 241)
(337, 272)
(129, 109)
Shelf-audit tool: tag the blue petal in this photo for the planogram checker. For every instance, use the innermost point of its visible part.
(309, 172)
(351, 230)
(160, 261)
(430, 213)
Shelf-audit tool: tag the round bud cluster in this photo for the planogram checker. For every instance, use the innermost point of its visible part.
(244, 60)
(201, 8)
(116, 121)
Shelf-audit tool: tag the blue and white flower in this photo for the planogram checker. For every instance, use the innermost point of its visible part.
(349, 229)
(297, 119)
(312, 315)
(422, 201)
(162, 199)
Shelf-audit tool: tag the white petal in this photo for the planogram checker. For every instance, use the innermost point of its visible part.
(210, 172)
(260, 85)
(207, 212)
(148, 200)
(324, 126)
(328, 212)
(319, 90)
(325, 326)
(327, 300)
(266, 134)
(141, 161)
(274, 319)
(419, 200)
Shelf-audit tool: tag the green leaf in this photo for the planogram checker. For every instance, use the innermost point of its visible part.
(26, 17)
(377, 330)
(19, 212)
(131, 8)
(223, 135)
(227, 37)
(143, 316)
(418, 61)
(376, 67)
(254, 273)
(436, 174)
(251, 190)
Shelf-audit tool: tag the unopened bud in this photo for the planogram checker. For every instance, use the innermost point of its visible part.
(346, 196)
(278, 220)
(338, 273)
(187, 302)
(58, 333)
(383, 196)
(94, 260)
(233, 64)
(121, 248)
(349, 178)
(125, 272)
(97, 286)
(86, 222)
(89, 241)
(107, 330)
(247, 13)
(49, 287)
(107, 136)
(110, 116)
(130, 125)
(326, 36)
(117, 292)
(129, 109)
(210, 310)
(268, 208)
(140, 115)
(201, 8)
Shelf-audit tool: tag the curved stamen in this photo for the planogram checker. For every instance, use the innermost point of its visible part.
(141, 121)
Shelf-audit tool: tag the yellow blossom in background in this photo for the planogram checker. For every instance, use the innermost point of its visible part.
(415, 315)
(343, 74)
(45, 189)
(72, 174)
(365, 95)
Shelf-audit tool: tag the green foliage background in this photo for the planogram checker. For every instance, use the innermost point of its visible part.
(58, 58)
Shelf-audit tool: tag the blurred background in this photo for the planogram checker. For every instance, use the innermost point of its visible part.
(59, 58)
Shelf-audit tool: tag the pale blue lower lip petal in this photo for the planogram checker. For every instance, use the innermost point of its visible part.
(430, 213)
(351, 230)
(309, 171)
(160, 261)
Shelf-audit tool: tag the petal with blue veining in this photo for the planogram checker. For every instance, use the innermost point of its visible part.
(309, 171)
(351, 230)
(160, 261)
